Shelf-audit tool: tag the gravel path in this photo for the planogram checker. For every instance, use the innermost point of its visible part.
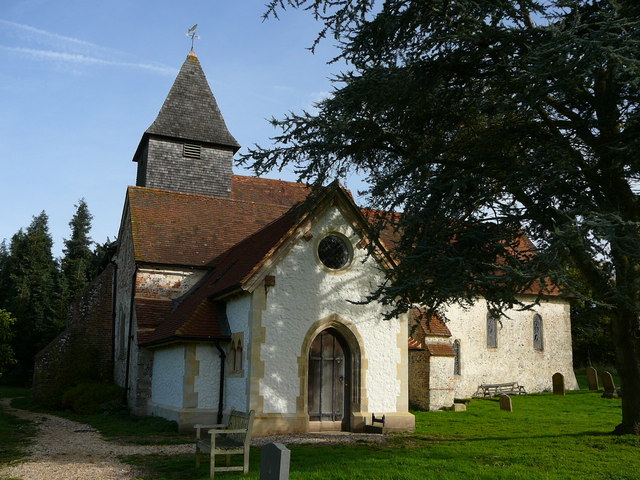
(67, 450)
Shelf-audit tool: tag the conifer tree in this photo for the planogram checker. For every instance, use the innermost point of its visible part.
(33, 293)
(4, 273)
(481, 120)
(77, 262)
(6, 335)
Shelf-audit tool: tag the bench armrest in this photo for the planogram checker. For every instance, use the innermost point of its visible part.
(200, 426)
(236, 430)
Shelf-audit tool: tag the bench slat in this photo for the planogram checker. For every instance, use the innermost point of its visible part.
(495, 389)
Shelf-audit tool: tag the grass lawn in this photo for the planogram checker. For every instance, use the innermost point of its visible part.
(545, 437)
(15, 433)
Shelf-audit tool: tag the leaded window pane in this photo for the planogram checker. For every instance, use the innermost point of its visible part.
(456, 360)
(492, 331)
(333, 252)
(537, 332)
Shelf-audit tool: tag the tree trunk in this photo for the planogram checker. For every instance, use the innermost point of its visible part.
(626, 336)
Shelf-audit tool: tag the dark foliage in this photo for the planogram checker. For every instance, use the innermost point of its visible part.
(32, 281)
(36, 289)
(481, 121)
(77, 260)
(93, 398)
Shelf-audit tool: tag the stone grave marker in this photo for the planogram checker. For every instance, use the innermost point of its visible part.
(505, 403)
(592, 378)
(610, 390)
(274, 462)
(558, 383)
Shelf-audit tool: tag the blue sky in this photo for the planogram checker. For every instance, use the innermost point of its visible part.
(81, 80)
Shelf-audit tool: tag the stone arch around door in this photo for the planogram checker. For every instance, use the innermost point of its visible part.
(340, 339)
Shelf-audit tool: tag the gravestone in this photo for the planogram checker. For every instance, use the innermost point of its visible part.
(558, 383)
(274, 462)
(505, 403)
(592, 378)
(610, 390)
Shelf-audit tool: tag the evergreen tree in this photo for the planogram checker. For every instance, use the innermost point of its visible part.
(6, 335)
(5, 282)
(481, 120)
(33, 290)
(77, 262)
(102, 255)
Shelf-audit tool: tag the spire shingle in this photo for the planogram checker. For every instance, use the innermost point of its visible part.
(190, 111)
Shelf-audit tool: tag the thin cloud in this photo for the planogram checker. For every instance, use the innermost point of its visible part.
(63, 49)
(37, 32)
(87, 60)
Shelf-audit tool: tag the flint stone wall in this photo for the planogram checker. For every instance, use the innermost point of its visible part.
(88, 334)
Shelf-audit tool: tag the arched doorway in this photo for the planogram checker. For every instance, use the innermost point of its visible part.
(330, 381)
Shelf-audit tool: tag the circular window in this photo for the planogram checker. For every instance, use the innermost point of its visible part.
(334, 252)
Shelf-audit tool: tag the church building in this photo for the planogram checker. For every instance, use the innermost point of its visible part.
(236, 292)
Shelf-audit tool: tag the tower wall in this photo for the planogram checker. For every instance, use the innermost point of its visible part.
(164, 166)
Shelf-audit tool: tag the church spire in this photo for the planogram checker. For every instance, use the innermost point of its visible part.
(188, 147)
(190, 111)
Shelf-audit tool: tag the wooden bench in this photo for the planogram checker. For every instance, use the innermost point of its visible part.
(495, 389)
(232, 438)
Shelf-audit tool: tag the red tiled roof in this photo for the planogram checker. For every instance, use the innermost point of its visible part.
(199, 316)
(233, 268)
(440, 349)
(431, 325)
(150, 314)
(388, 233)
(196, 318)
(413, 343)
(268, 191)
(194, 315)
(187, 229)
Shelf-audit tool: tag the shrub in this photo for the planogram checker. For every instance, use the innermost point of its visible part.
(64, 364)
(93, 398)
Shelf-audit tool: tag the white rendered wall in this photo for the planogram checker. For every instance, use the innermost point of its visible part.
(305, 292)
(207, 382)
(155, 284)
(168, 373)
(515, 359)
(237, 386)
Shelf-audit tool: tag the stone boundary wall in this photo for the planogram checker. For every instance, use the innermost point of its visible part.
(84, 350)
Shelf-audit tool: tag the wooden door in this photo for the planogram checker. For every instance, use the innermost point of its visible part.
(327, 380)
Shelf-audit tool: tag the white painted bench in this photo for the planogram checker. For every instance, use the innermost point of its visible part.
(232, 438)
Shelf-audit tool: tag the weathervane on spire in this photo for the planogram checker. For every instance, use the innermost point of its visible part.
(192, 33)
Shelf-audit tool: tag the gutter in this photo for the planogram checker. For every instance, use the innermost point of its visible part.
(129, 335)
(114, 294)
(223, 357)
